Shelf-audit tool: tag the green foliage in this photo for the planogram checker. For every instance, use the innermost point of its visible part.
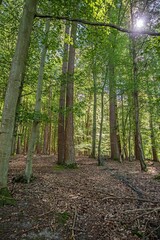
(6, 197)
(137, 233)
(62, 217)
(157, 177)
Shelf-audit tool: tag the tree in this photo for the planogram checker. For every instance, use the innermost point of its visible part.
(139, 154)
(37, 110)
(94, 127)
(69, 157)
(16, 75)
(61, 118)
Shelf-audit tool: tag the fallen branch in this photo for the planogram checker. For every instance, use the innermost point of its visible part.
(73, 225)
(140, 216)
(99, 24)
(143, 209)
(130, 198)
(154, 230)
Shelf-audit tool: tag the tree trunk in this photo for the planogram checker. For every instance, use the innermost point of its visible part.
(94, 129)
(100, 161)
(124, 142)
(32, 141)
(69, 127)
(153, 142)
(16, 75)
(139, 155)
(61, 122)
(115, 152)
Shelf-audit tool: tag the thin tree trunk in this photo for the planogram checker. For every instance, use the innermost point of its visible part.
(94, 129)
(115, 152)
(153, 142)
(61, 122)
(69, 127)
(124, 142)
(32, 141)
(46, 138)
(16, 75)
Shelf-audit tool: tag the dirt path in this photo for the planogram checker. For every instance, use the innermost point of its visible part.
(114, 202)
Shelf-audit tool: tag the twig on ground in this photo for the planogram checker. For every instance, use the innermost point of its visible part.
(130, 198)
(73, 225)
(143, 209)
(142, 215)
(146, 236)
(43, 214)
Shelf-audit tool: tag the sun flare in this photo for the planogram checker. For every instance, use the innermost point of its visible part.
(139, 23)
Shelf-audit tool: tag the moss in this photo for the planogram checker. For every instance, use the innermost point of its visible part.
(6, 197)
(65, 166)
(157, 177)
(22, 179)
(62, 217)
(137, 233)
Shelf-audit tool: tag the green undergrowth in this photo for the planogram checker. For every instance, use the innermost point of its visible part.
(157, 177)
(137, 233)
(62, 167)
(22, 179)
(6, 197)
(62, 217)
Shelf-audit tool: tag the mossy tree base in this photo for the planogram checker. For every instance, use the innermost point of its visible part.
(6, 197)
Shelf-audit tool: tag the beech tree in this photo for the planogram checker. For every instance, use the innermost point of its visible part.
(69, 155)
(62, 98)
(37, 113)
(16, 75)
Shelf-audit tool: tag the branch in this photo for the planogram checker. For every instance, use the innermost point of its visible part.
(130, 198)
(143, 209)
(99, 24)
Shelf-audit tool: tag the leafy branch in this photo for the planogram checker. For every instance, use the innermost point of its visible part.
(99, 24)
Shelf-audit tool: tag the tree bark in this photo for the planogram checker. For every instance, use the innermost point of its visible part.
(100, 161)
(94, 128)
(139, 154)
(115, 152)
(153, 141)
(61, 122)
(69, 125)
(32, 140)
(16, 75)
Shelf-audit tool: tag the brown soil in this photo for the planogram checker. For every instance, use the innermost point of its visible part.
(114, 202)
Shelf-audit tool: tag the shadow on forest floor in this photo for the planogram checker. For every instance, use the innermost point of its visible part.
(114, 202)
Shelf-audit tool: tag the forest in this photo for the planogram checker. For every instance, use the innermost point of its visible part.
(79, 119)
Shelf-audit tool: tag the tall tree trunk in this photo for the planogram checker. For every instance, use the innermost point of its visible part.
(16, 75)
(69, 127)
(61, 122)
(32, 140)
(100, 161)
(94, 128)
(153, 142)
(139, 154)
(115, 152)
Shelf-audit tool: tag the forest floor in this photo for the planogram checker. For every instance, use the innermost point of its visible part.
(115, 201)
